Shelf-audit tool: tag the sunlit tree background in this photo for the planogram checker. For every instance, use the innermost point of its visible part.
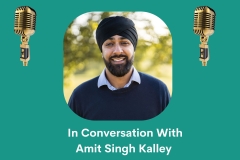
(83, 60)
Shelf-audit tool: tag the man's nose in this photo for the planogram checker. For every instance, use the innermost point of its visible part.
(118, 49)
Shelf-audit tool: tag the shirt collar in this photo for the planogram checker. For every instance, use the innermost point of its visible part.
(102, 80)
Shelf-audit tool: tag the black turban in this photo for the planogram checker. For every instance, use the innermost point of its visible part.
(118, 25)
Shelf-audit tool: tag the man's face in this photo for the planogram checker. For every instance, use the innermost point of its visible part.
(118, 55)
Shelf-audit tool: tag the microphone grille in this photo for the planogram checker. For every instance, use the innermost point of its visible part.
(204, 20)
(25, 21)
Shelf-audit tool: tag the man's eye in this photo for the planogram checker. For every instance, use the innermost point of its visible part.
(125, 43)
(109, 44)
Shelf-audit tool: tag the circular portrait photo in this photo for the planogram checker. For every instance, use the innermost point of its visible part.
(117, 66)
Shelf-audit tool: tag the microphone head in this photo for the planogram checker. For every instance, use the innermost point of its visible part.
(25, 21)
(204, 21)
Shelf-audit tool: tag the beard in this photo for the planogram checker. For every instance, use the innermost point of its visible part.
(119, 70)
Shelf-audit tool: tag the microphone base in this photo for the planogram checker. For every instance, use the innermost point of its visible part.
(25, 63)
(204, 63)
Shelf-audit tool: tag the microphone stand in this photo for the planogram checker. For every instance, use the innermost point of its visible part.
(25, 50)
(204, 52)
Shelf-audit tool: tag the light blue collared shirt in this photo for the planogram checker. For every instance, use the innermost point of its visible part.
(102, 80)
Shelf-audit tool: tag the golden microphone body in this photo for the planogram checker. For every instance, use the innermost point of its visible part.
(25, 22)
(204, 25)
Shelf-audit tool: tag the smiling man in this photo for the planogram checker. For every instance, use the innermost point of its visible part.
(120, 92)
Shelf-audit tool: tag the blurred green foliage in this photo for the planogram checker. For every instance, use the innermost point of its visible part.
(81, 52)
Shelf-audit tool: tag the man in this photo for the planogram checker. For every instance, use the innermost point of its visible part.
(120, 92)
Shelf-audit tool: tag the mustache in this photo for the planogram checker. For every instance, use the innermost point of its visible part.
(118, 56)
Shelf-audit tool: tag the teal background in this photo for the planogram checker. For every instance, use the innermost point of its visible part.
(34, 116)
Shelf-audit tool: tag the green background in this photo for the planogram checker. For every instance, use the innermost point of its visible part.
(34, 116)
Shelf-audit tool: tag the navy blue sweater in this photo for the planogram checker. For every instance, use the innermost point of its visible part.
(137, 102)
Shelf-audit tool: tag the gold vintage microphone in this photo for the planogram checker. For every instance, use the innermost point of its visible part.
(25, 22)
(204, 23)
